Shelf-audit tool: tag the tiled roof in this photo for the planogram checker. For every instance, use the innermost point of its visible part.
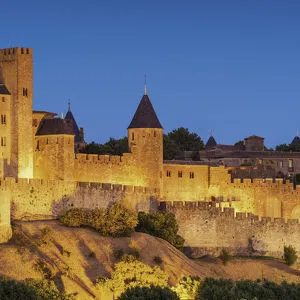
(55, 126)
(145, 116)
(296, 140)
(3, 89)
(69, 116)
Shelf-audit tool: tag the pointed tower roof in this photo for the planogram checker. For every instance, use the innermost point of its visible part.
(211, 142)
(145, 116)
(69, 116)
(3, 89)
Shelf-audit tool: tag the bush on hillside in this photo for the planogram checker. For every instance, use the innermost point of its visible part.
(116, 220)
(132, 273)
(30, 289)
(225, 256)
(226, 289)
(153, 292)
(160, 224)
(188, 287)
(290, 255)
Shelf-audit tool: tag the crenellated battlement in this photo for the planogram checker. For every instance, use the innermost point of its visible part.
(226, 212)
(15, 51)
(102, 158)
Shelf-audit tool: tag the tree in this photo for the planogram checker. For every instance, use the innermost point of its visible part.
(113, 147)
(149, 293)
(185, 140)
(160, 224)
(240, 145)
(290, 255)
(179, 140)
(282, 147)
(131, 274)
(188, 287)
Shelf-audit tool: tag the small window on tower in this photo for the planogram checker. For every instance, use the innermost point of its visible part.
(180, 174)
(154, 133)
(132, 136)
(3, 99)
(3, 141)
(3, 119)
(168, 173)
(192, 175)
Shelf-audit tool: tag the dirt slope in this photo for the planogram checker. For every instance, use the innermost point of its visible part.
(77, 256)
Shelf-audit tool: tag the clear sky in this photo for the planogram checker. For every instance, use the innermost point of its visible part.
(233, 66)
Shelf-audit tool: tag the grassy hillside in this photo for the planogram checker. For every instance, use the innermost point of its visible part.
(76, 257)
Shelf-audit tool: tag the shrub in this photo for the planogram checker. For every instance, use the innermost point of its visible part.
(118, 253)
(133, 274)
(227, 289)
(188, 287)
(290, 255)
(153, 292)
(225, 256)
(160, 224)
(46, 235)
(127, 258)
(116, 220)
(30, 289)
(135, 253)
(157, 260)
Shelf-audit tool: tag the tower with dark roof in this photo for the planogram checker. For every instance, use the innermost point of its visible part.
(79, 142)
(145, 139)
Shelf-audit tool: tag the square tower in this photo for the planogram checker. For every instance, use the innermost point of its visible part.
(16, 75)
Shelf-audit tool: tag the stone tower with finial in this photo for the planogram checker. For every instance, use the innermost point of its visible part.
(145, 139)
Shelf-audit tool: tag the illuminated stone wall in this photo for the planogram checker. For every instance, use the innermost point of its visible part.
(54, 157)
(5, 228)
(45, 199)
(16, 72)
(207, 230)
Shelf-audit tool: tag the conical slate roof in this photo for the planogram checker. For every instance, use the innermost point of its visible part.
(296, 140)
(145, 116)
(3, 89)
(69, 116)
(211, 142)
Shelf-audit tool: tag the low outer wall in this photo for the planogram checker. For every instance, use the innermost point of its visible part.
(207, 230)
(38, 200)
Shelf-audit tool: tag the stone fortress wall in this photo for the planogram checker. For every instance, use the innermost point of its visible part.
(35, 199)
(208, 229)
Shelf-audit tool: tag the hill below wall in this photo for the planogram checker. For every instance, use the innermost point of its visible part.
(77, 256)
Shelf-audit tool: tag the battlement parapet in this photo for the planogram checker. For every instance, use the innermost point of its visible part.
(225, 212)
(14, 51)
(102, 159)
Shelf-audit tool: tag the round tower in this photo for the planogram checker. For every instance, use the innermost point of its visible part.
(145, 140)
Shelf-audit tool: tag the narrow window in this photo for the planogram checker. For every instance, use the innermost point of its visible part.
(290, 163)
(38, 145)
(180, 174)
(280, 164)
(3, 99)
(192, 175)
(132, 136)
(168, 173)
(27, 51)
(3, 141)
(22, 50)
(154, 133)
(3, 119)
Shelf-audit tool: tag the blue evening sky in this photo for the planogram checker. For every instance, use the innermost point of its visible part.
(233, 66)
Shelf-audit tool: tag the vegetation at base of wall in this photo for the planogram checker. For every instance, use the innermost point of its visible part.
(46, 236)
(227, 289)
(153, 292)
(188, 287)
(160, 224)
(115, 221)
(289, 255)
(30, 289)
(225, 256)
(130, 274)
(158, 260)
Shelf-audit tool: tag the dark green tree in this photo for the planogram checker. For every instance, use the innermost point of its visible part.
(282, 147)
(160, 224)
(149, 293)
(113, 147)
